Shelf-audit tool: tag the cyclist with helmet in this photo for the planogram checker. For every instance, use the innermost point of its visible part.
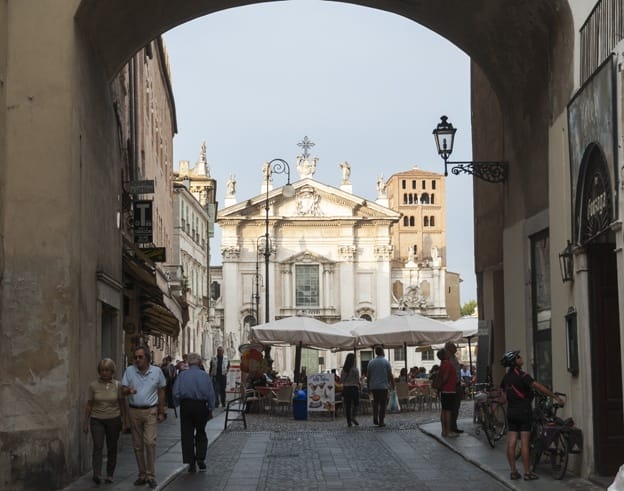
(518, 386)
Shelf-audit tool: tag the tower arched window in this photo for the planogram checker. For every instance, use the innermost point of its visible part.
(432, 221)
(411, 221)
(410, 199)
(432, 197)
(405, 221)
(424, 199)
(426, 221)
(405, 198)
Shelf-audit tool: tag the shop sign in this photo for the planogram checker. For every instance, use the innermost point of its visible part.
(143, 222)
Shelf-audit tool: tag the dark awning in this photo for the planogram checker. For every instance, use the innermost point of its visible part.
(160, 313)
(159, 320)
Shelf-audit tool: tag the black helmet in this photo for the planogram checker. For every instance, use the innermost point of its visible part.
(509, 358)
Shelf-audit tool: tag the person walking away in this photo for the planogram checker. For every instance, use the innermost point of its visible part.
(103, 414)
(193, 392)
(518, 386)
(144, 384)
(447, 384)
(169, 371)
(379, 376)
(452, 350)
(219, 365)
(350, 378)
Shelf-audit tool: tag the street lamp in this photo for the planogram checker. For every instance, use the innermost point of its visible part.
(277, 166)
(258, 281)
(492, 171)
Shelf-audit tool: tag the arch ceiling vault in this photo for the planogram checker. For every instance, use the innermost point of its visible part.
(522, 64)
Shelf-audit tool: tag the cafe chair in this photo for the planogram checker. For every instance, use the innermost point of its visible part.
(283, 398)
(406, 398)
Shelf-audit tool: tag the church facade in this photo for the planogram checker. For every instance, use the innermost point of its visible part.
(331, 255)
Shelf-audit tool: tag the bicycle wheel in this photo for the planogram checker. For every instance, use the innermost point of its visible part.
(536, 446)
(487, 424)
(559, 456)
(499, 418)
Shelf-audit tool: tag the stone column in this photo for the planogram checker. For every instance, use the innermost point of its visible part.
(347, 281)
(231, 294)
(383, 254)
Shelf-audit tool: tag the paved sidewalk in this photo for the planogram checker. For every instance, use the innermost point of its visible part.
(477, 451)
(168, 457)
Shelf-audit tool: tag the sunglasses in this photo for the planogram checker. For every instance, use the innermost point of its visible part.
(139, 357)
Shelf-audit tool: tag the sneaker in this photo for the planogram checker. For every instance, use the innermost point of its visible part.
(191, 469)
(355, 422)
(452, 434)
(152, 483)
(141, 481)
(457, 430)
(202, 466)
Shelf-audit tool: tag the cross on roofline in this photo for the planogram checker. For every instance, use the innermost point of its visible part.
(306, 144)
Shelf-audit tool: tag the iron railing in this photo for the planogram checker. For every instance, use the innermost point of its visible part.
(602, 30)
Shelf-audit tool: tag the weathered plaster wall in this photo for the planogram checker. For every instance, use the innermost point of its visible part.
(60, 181)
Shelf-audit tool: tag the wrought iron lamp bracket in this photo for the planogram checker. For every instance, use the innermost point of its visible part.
(490, 171)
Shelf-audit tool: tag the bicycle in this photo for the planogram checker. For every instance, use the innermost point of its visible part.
(489, 412)
(552, 438)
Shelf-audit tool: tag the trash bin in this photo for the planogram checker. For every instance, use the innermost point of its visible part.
(300, 405)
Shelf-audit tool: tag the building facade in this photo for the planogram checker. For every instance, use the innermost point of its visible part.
(154, 307)
(538, 102)
(194, 217)
(332, 256)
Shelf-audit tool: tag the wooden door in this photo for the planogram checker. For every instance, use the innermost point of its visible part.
(606, 359)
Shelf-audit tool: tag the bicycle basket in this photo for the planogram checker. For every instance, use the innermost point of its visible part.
(481, 397)
(575, 440)
(497, 395)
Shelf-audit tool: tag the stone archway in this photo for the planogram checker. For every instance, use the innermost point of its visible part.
(59, 224)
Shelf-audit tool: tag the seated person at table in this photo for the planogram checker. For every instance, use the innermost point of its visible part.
(422, 373)
(413, 374)
(402, 375)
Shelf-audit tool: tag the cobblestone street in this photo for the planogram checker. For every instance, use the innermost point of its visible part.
(279, 453)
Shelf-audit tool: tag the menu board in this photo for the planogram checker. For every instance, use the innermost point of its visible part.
(321, 392)
(233, 384)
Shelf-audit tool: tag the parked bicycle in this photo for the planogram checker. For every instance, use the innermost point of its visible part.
(552, 438)
(489, 412)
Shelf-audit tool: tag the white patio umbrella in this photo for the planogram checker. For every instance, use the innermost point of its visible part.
(469, 325)
(407, 328)
(301, 331)
(304, 331)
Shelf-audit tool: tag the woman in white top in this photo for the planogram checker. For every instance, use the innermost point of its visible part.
(350, 378)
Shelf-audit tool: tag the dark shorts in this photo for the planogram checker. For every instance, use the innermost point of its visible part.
(519, 418)
(447, 399)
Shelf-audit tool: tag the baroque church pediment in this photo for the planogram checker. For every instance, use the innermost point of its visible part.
(312, 199)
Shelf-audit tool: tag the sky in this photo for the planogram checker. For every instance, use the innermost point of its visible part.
(366, 86)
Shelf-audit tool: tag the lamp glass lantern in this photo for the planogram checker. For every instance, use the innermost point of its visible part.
(566, 263)
(444, 135)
